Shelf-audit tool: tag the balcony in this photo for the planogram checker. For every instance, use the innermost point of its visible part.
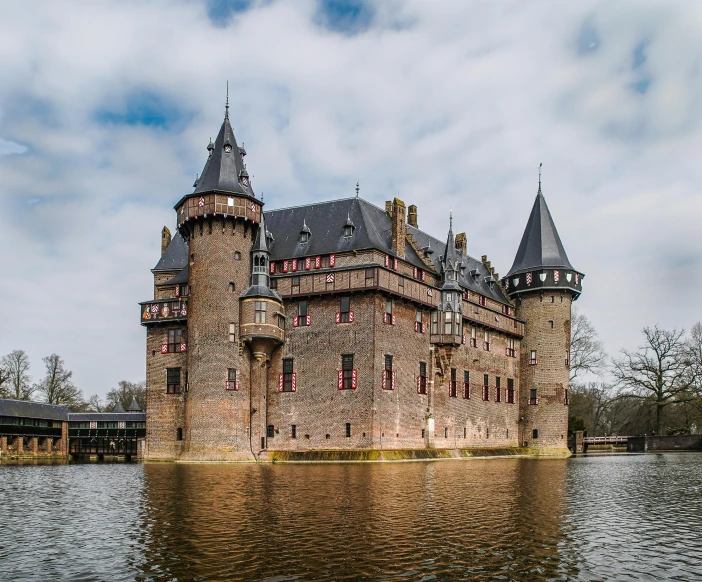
(163, 310)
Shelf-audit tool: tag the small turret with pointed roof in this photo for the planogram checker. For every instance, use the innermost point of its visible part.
(134, 406)
(118, 408)
(450, 261)
(260, 263)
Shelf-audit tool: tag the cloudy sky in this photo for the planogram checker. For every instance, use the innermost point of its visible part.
(106, 109)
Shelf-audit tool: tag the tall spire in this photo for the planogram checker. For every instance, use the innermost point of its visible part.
(450, 260)
(226, 107)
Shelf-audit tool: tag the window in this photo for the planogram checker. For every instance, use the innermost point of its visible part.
(232, 332)
(281, 321)
(446, 433)
(172, 380)
(486, 387)
(302, 315)
(498, 389)
(401, 284)
(179, 434)
(388, 364)
(344, 309)
(473, 337)
(482, 300)
(348, 230)
(448, 321)
(510, 391)
(370, 276)
(274, 284)
(287, 374)
(486, 340)
(231, 287)
(295, 285)
(533, 400)
(553, 299)
(511, 352)
(237, 256)
(466, 384)
(175, 337)
(388, 316)
(453, 384)
(532, 358)
(260, 312)
(435, 322)
(231, 375)
(550, 323)
(506, 310)
(348, 430)
(347, 371)
(567, 359)
(270, 431)
(535, 433)
(418, 325)
(304, 237)
(293, 431)
(422, 380)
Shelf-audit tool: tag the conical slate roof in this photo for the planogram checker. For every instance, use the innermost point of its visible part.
(134, 406)
(261, 242)
(224, 170)
(541, 246)
(118, 408)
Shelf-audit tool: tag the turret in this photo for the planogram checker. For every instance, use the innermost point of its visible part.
(543, 284)
(447, 321)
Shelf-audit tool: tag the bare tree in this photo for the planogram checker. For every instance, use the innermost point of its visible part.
(95, 404)
(57, 387)
(657, 372)
(125, 392)
(16, 367)
(4, 382)
(586, 351)
(591, 402)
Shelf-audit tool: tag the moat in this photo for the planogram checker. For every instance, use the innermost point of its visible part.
(616, 517)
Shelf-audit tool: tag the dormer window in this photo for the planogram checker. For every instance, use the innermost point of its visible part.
(304, 237)
(348, 231)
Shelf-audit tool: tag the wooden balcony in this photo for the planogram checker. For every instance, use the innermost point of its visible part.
(163, 310)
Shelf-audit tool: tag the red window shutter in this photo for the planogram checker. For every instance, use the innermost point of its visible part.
(177, 291)
(416, 326)
(419, 384)
(424, 328)
(309, 319)
(393, 319)
(183, 347)
(384, 383)
(164, 348)
(332, 260)
(296, 321)
(308, 263)
(294, 265)
(317, 262)
(463, 339)
(272, 267)
(350, 316)
(286, 266)
(394, 263)
(338, 317)
(236, 385)
(280, 382)
(340, 383)
(385, 317)
(227, 385)
(387, 260)
(294, 381)
(414, 272)
(354, 379)
(423, 276)
(393, 380)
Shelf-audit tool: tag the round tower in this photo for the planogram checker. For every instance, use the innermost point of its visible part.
(543, 284)
(219, 220)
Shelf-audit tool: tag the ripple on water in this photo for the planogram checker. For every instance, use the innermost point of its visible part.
(592, 518)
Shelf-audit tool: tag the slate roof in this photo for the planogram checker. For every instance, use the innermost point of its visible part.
(541, 246)
(134, 406)
(180, 279)
(118, 408)
(107, 416)
(175, 257)
(223, 169)
(27, 409)
(326, 220)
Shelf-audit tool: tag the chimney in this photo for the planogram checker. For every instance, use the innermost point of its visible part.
(412, 216)
(399, 228)
(388, 207)
(461, 243)
(165, 239)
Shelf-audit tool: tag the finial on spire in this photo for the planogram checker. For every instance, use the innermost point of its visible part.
(541, 164)
(450, 218)
(226, 107)
(358, 188)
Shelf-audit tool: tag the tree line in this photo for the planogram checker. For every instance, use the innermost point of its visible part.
(57, 387)
(653, 389)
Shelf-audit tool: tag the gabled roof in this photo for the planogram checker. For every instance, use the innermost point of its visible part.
(225, 165)
(176, 256)
(541, 246)
(27, 409)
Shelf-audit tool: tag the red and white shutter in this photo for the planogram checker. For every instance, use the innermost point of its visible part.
(272, 267)
(177, 291)
(416, 326)
(338, 317)
(384, 382)
(294, 381)
(308, 263)
(286, 266)
(393, 380)
(394, 263)
(296, 321)
(387, 260)
(385, 317)
(350, 316)
(393, 319)
(340, 384)
(424, 327)
(164, 348)
(423, 276)
(332, 260)
(294, 265)
(463, 339)
(317, 262)
(354, 379)
(236, 385)
(280, 382)
(183, 347)
(309, 319)
(415, 272)
(419, 384)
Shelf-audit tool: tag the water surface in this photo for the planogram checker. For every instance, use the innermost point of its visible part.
(620, 517)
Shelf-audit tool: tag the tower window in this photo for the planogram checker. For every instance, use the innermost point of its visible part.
(281, 321)
(347, 371)
(473, 337)
(482, 300)
(293, 431)
(175, 337)
(260, 312)
(533, 400)
(179, 434)
(344, 309)
(388, 317)
(287, 374)
(388, 364)
(270, 431)
(435, 322)
(348, 430)
(466, 384)
(231, 287)
(237, 256)
(448, 321)
(172, 380)
(550, 323)
(498, 389)
(486, 340)
(553, 299)
(486, 387)
(302, 313)
(510, 391)
(533, 360)
(422, 382)
(231, 375)
(446, 433)
(232, 332)
(453, 390)
(535, 433)
(295, 284)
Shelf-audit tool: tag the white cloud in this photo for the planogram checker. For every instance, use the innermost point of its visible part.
(444, 104)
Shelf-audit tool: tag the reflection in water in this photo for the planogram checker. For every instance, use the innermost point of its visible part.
(594, 518)
(354, 522)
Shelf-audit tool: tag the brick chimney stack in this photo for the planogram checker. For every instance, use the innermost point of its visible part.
(462, 243)
(165, 239)
(412, 216)
(388, 207)
(399, 227)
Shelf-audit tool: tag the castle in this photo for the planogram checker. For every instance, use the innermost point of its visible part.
(341, 325)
